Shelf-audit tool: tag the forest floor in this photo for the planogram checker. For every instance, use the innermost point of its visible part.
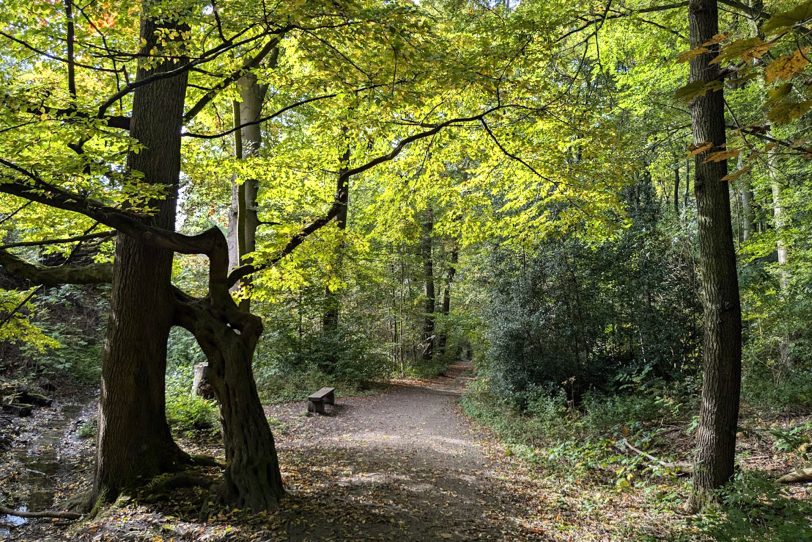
(405, 464)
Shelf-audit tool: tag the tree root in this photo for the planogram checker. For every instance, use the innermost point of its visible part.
(41, 514)
(682, 468)
(205, 461)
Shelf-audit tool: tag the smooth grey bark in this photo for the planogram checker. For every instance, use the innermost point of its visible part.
(719, 411)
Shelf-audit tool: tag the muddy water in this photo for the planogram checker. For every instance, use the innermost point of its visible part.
(39, 462)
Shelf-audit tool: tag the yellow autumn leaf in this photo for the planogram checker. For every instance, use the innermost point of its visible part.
(693, 150)
(786, 67)
(733, 175)
(686, 56)
(719, 156)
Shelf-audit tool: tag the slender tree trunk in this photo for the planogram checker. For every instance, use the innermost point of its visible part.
(779, 222)
(445, 311)
(332, 305)
(247, 143)
(676, 190)
(687, 184)
(134, 441)
(235, 235)
(746, 196)
(426, 246)
(718, 416)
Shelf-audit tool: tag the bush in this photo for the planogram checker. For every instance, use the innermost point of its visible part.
(583, 318)
(754, 508)
(186, 413)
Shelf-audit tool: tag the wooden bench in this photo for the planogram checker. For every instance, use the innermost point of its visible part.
(317, 400)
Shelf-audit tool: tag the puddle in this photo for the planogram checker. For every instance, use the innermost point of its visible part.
(40, 463)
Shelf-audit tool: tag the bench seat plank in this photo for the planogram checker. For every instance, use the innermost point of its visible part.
(317, 400)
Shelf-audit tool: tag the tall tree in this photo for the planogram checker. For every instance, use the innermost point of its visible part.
(429, 303)
(719, 411)
(134, 441)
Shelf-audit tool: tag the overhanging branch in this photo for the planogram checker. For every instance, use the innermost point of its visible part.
(55, 276)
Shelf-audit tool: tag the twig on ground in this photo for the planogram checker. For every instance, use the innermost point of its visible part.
(680, 467)
(41, 514)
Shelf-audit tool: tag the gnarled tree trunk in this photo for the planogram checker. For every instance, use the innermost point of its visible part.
(228, 336)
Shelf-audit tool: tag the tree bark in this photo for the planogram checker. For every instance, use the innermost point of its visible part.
(716, 434)
(332, 306)
(228, 337)
(235, 235)
(676, 190)
(442, 338)
(134, 441)
(746, 194)
(253, 96)
(426, 232)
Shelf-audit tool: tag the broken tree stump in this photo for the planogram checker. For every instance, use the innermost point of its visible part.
(200, 385)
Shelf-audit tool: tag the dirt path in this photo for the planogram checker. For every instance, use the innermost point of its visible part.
(405, 464)
(402, 465)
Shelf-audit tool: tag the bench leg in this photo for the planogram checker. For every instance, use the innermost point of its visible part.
(315, 406)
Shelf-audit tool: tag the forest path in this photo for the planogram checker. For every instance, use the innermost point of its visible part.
(405, 464)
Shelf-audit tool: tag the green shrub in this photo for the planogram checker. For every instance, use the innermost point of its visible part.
(754, 508)
(187, 414)
(88, 429)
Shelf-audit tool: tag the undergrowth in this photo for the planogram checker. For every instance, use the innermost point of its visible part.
(585, 446)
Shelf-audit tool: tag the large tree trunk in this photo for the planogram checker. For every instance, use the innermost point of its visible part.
(134, 441)
(426, 245)
(252, 476)
(719, 411)
(228, 336)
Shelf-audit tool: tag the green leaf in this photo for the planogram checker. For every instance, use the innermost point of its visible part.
(696, 90)
(779, 21)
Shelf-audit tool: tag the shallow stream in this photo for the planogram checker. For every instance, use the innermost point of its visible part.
(40, 462)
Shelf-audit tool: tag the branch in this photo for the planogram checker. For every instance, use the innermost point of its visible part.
(202, 59)
(67, 113)
(294, 105)
(680, 467)
(88, 237)
(245, 270)
(43, 514)
(54, 276)
(130, 224)
(761, 135)
(249, 64)
(605, 17)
